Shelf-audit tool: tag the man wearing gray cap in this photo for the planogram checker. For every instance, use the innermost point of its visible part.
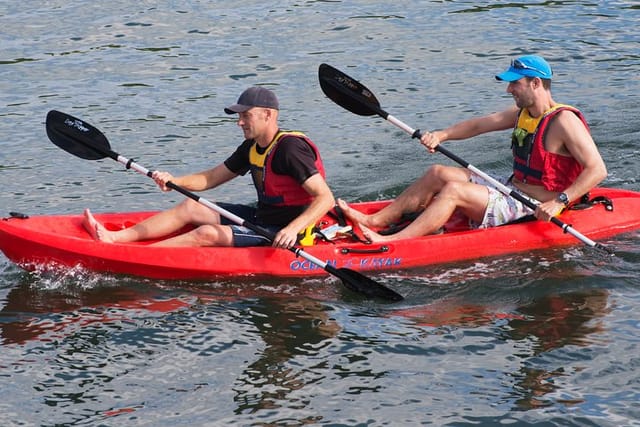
(555, 162)
(287, 172)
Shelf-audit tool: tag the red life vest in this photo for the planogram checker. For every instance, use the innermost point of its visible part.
(276, 189)
(532, 163)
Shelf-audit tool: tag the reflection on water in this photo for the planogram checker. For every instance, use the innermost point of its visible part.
(555, 321)
(551, 323)
(30, 313)
(294, 340)
(289, 329)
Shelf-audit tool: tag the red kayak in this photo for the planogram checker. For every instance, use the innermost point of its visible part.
(61, 241)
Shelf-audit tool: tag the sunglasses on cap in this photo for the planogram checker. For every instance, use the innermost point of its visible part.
(519, 65)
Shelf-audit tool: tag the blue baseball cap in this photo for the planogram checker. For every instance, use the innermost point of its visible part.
(526, 66)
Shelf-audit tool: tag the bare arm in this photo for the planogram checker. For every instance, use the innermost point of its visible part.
(469, 128)
(199, 181)
(568, 136)
(323, 200)
(579, 143)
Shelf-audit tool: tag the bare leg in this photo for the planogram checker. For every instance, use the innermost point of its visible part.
(470, 198)
(157, 226)
(205, 235)
(414, 198)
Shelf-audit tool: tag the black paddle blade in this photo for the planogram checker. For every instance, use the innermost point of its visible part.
(360, 283)
(348, 93)
(76, 136)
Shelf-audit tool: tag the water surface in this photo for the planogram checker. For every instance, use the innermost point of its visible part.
(543, 338)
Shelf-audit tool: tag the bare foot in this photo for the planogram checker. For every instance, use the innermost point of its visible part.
(374, 237)
(353, 214)
(95, 229)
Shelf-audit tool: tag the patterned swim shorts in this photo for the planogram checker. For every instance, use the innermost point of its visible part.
(501, 208)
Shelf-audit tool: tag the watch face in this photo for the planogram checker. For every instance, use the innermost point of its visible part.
(563, 198)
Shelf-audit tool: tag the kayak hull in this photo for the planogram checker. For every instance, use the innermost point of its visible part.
(61, 241)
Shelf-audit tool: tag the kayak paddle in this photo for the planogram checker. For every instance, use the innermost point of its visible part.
(87, 142)
(353, 96)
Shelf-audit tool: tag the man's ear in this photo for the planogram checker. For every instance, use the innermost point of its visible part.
(537, 82)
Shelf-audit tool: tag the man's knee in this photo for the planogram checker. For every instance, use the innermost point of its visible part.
(439, 175)
(194, 211)
(211, 235)
(434, 171)
(454, 190)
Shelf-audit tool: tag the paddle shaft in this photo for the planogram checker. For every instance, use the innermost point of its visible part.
(415, 133)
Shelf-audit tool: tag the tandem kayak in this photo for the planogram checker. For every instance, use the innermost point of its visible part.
(37, 242)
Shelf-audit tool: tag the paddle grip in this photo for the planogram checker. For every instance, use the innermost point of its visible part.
(417, 134)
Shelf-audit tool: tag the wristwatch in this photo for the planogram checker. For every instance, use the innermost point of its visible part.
(563, 198)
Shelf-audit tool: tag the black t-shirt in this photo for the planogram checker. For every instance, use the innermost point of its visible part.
(292, 157)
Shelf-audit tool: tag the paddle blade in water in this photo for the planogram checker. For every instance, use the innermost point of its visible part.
(362, 284)
(347, 92)
(76, 136)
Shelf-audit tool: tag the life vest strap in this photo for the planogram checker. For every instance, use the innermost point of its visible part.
(527, 171)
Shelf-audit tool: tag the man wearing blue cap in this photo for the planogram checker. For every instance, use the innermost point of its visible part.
(287, 172)
(555, 162)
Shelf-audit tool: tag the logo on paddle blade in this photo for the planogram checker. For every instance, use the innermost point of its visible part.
(76, 124)
(346, 81)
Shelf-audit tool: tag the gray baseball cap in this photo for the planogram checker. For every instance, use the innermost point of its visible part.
(254, 97)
